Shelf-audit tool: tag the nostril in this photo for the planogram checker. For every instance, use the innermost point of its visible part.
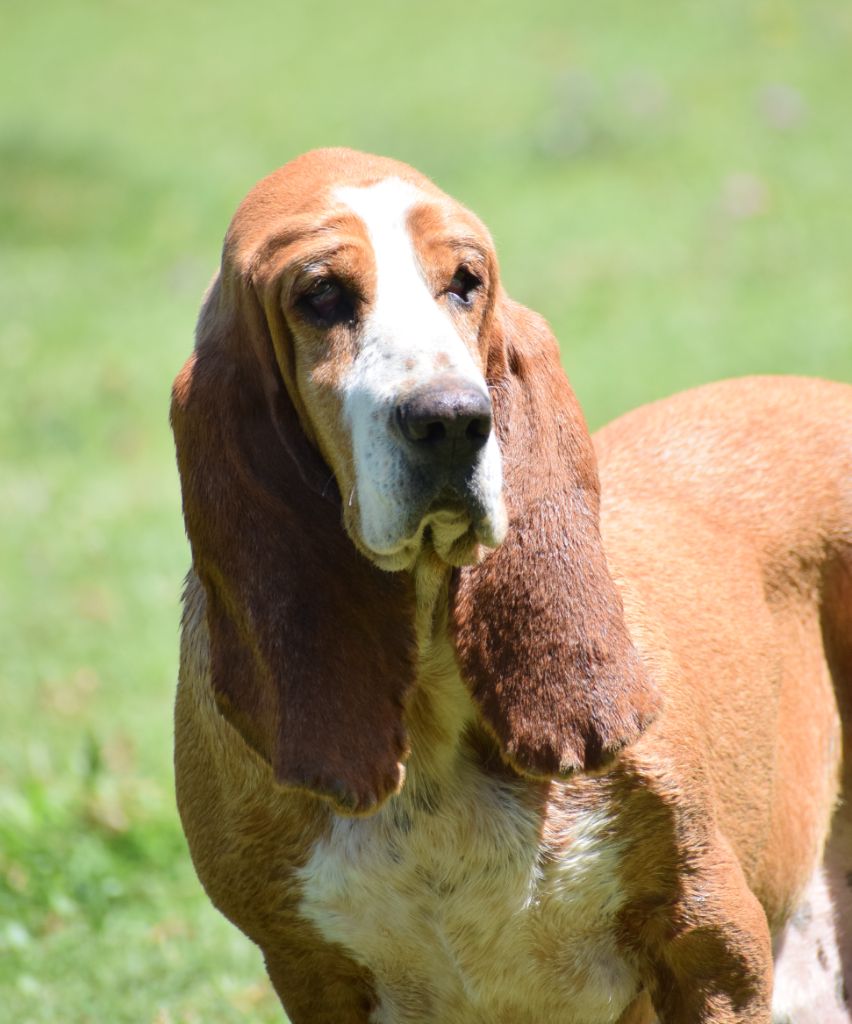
(418, 428)
(435, 431)
(479, 428)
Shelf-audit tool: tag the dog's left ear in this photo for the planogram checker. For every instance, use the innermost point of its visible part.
(539, 625)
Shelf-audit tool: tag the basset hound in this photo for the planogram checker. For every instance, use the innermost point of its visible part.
(477, 722)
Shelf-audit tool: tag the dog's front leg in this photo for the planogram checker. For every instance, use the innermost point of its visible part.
(320, 988)
(715, 966)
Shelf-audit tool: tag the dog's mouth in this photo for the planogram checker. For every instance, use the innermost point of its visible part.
(449, 531)
(454, 525)
(458, 528)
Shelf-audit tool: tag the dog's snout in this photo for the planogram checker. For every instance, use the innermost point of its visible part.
(446, 418)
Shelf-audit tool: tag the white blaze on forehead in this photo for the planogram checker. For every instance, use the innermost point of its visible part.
(384, 210)
(405, 321)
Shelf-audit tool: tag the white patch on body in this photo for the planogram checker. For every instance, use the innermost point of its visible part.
(808, 985)
(460, 909)
(401, 339)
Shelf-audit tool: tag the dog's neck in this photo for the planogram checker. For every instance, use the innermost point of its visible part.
(443, 724)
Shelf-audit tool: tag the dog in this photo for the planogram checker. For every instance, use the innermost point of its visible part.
(476, 721)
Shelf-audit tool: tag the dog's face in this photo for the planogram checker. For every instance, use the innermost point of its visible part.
(384, 291)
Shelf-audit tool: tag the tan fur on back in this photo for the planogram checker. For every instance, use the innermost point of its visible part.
(728, 485)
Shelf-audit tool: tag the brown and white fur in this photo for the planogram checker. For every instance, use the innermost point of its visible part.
(520, 732)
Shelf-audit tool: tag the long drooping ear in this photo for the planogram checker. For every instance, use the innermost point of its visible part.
(539, 625)
(311, 646)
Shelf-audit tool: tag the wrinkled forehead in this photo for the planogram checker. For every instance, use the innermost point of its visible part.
(309, 209)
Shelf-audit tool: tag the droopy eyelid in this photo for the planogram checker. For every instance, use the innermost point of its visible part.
(473, 262)
(306, 276)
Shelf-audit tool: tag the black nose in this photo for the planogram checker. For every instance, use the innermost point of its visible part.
(446, 419)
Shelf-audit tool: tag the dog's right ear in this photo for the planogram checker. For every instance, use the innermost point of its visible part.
(312, 646)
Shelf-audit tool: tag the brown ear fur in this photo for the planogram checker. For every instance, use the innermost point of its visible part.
(312, 647)
(539, 625)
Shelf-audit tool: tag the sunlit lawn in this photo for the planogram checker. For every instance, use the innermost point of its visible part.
(670, 185)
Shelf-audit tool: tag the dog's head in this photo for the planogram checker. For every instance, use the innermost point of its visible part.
(361, 392)
(375, 292)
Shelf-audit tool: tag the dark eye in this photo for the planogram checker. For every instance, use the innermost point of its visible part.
(327, 302)
(463, 285)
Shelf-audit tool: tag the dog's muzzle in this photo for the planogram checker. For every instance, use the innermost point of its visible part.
(431, 474)
(444, 427)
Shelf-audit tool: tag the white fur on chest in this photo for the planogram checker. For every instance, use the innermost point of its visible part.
(463, 914)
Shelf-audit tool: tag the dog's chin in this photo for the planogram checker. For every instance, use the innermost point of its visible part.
(466, 542)
(457, 535)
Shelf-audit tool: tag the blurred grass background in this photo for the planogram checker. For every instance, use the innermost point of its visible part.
(668, 183)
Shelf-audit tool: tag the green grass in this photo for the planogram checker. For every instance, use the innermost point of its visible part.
(669, 184)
